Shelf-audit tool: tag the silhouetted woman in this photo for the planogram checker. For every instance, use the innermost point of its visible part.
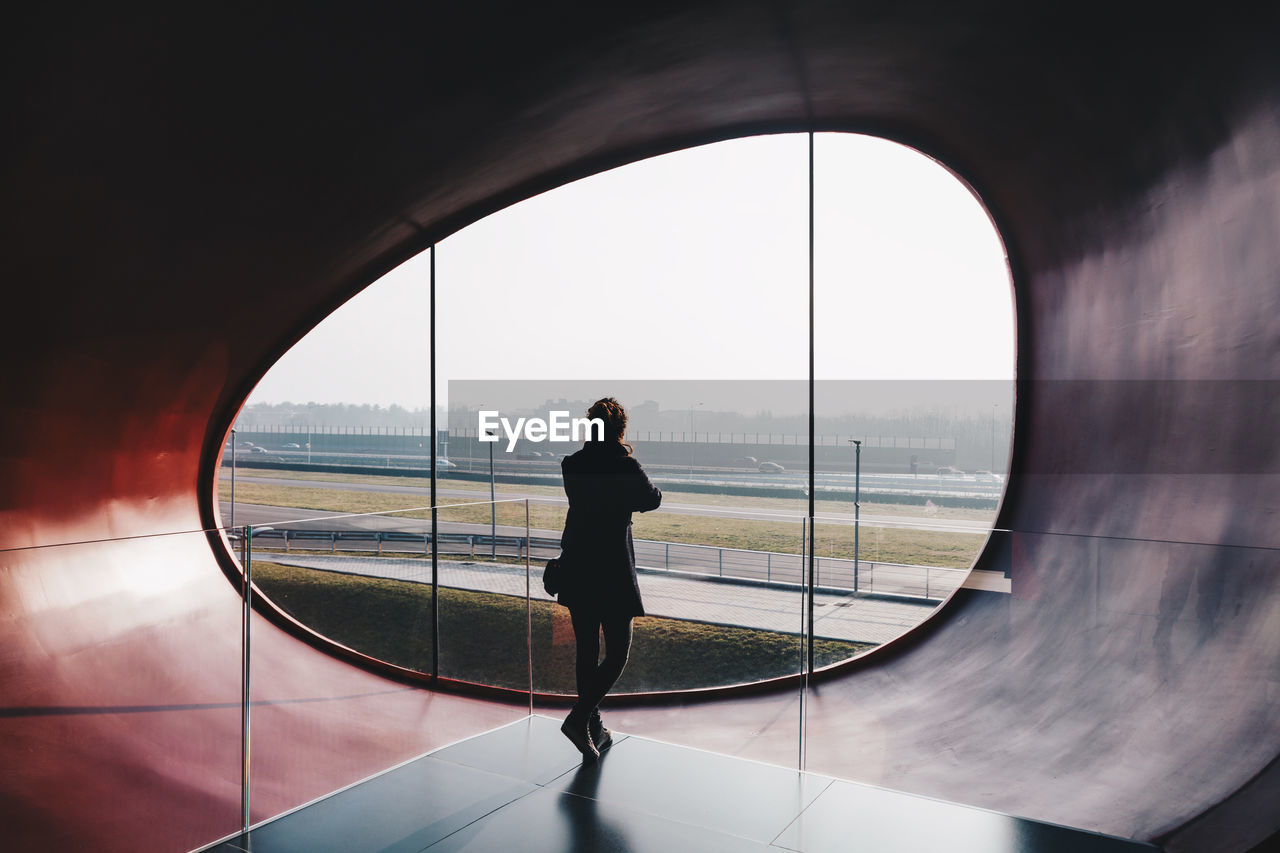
(604, 484)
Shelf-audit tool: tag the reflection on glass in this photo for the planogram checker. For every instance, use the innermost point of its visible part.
(146, 631)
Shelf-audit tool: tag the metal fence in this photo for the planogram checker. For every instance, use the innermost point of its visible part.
(401, 541)
(834, 574)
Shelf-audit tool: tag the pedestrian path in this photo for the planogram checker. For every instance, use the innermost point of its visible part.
(673, 595)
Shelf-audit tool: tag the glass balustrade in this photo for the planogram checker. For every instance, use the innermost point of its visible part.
(1184, 611)
(484, 559)
(820, 497)
(715, 616)
(132, 657)
(361, 581)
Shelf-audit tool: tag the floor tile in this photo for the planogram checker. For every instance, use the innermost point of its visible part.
(532, 749)
(848, 818)
(718, 792)
(401, 811)
(547, 821)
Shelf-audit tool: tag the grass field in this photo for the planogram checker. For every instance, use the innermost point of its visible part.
(882, 544)
(797, 505)
(482, 635)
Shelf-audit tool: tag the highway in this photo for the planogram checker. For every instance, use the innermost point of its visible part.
(793, 479)
(837, 481)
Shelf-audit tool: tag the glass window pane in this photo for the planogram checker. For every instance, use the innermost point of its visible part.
(914, 367)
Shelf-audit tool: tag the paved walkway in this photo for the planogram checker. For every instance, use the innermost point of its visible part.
(874, 576)
(677, 596)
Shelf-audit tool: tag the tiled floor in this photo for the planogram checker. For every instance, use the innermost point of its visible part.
(521, 788)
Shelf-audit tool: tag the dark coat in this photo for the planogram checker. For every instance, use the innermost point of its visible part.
(604, 486)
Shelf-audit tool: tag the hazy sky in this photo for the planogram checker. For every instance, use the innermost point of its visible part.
(692, 265)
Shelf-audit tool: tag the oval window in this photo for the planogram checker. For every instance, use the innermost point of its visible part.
(679, 285)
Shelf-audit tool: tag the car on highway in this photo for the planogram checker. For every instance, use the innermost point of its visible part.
(292, 445)
(746, 462)
(445, 463)
(256, 449)
(985, 476)
(771, 468)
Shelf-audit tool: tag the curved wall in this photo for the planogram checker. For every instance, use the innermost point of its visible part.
(187, 197)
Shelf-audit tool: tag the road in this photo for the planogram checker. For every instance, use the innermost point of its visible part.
(789, 479)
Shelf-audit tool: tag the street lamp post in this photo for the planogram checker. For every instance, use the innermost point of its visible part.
(857, 504)
(993, 437)
(693, 438)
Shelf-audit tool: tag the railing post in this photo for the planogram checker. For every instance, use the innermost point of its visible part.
(721, 554)
(809, 583)
(528, 601)
(246, 562)
(768, 566)
(668, 560)
(233, 478)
